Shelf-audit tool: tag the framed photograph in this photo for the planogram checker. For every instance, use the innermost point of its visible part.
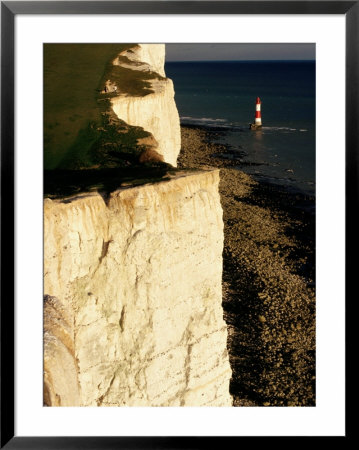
(176, 186)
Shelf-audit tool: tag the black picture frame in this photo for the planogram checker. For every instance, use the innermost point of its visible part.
(9, 9)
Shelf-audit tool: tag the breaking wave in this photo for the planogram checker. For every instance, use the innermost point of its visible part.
(224, 123)
(203, 121)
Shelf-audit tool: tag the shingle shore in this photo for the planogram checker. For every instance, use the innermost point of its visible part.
(268, 280)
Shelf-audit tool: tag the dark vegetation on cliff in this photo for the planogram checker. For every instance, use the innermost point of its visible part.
(268, 280)
(72, 77)
(83, 139)
(129, 81)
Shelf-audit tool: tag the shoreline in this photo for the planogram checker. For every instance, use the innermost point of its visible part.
(268, 279)
(240, 159)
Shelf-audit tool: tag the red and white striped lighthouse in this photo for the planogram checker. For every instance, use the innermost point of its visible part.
(258, 117)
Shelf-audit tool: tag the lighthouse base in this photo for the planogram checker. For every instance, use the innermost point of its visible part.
(254, 126)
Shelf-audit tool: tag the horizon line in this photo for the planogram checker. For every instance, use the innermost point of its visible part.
(238, 60)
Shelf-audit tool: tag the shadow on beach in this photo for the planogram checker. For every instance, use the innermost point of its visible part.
(268, 280)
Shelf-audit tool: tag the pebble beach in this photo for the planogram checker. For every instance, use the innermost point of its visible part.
(268, 278)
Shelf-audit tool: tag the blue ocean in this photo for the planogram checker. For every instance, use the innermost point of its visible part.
(223, 95)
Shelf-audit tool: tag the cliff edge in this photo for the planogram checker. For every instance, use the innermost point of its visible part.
(132, 247)
(154, 108)
(135, 287)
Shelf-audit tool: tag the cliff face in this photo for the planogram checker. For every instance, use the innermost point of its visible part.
(146, 57)
(156, 112)
(133, 281)
(61, 384)
(135, 287)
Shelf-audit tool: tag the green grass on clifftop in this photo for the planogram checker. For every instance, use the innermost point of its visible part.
(84, 141)
(132, 82)
(74, 107)
(72, 74)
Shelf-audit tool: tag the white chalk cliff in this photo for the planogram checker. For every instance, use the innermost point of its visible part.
(156, 112)
(133, 286)
(137, 282)
(146, 57)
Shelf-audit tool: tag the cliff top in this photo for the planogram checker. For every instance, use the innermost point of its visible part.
(128, 75)
(80, 184)
(85, 144)
(79, 81)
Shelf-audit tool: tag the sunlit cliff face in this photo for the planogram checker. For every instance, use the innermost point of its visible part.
(156, 112)
(132, 283)
(139, 284)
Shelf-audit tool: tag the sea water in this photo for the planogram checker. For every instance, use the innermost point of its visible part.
(223, 95)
